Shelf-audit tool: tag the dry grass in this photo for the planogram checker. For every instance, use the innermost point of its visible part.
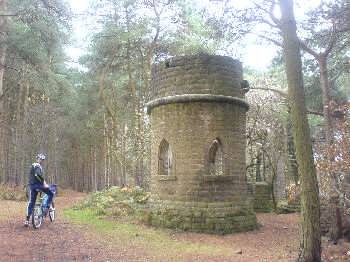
(275, 241)
(12, 193)
(10, 210)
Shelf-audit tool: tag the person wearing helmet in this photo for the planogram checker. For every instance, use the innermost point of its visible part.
(37, 183)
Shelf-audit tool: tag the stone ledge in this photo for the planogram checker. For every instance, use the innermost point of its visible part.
(237, 204)
(190, 98)
(166, 178)
(213, 178)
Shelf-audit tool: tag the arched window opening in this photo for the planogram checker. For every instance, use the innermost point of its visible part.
(216, 163)
(165, 159)
(258, 168)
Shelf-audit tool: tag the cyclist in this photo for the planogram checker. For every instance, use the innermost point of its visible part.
(37, 183)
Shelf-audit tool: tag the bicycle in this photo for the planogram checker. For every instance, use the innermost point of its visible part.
(40, 210)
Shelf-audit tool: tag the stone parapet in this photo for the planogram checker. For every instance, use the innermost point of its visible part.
(203, 74)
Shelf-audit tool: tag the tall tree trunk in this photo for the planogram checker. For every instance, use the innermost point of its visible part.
(109, 171)
(336, 225)
(324, 82)
(322, 59)
(310, 239)
(105, 148)
(95, 171)
(123, 162)
(3, 29)
(2, 71)
(292, 166)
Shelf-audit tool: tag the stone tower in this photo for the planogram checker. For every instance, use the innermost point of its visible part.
(198, 114)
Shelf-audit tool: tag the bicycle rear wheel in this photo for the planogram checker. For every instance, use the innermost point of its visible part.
(37, 216)
(52, 212)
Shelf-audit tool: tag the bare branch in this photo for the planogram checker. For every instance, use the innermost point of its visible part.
(102, 85)
(312, 112)
(336, 76)
(307, 49)
(6, 15)
(333, 39)
(269, 12)
(285, 96)
(343, 195)
(343, 46)
(272, 16)
(279, 92)
(9, 67)
(261, 7)
(276, 42)
(262, 20)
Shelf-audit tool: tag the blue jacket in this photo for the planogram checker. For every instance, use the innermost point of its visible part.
(36, 175)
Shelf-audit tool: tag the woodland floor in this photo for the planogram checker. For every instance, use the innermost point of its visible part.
(63, 241)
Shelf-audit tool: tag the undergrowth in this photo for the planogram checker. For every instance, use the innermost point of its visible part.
(15, 193)
(156, 242)
(112, 214)
(118, 203)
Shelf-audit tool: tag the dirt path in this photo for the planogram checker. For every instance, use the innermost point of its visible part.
(58, 241)
(61, 241)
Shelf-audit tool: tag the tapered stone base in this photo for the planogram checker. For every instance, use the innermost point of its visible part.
(204, 217)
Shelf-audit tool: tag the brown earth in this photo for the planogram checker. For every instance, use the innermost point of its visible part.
(58, 241)
(276, 240)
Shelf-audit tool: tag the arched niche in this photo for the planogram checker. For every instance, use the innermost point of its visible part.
(164, 159)
(216, 158)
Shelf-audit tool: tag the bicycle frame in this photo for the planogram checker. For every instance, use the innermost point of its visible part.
(40, 209)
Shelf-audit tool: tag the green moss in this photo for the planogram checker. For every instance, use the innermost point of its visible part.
(207, 220)
(159, 243)
(263, 205)
(284, 208)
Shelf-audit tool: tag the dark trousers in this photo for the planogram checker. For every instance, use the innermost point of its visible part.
(33, 193)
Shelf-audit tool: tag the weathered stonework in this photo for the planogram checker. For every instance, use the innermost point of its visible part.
(331, 215)
(262, 197)
(197, 112)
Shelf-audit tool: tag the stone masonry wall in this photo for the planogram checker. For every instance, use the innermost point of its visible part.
(190, 198)
(190, 130)
(262, 197)
(217, 75)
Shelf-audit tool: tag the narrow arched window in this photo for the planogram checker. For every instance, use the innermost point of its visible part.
(164, 159)
(216, 162)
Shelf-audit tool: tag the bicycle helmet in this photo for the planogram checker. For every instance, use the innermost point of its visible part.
(41, 156)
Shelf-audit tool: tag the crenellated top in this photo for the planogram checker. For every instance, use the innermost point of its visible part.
(199, 76)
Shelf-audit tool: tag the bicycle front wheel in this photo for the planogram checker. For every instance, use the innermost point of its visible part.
(52, 212)
(37, 216)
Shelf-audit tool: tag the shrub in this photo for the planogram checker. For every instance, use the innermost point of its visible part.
(117, 202)
(293, 194)
(283, 207)
(15, 193)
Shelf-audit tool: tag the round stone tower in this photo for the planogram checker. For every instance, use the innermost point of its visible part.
(198, 120)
